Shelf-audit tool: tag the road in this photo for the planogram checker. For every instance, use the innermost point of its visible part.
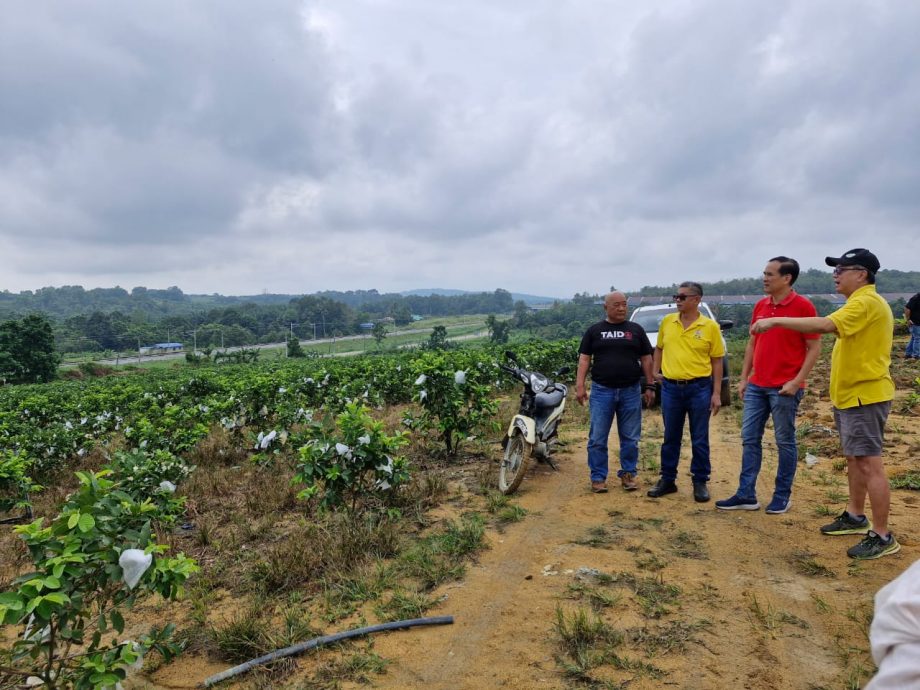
(165, 356)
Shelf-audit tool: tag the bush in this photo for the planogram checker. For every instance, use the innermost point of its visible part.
(357, 462)
(75, 595)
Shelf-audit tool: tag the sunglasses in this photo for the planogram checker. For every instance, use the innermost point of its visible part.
(840, 269)
(681, 298)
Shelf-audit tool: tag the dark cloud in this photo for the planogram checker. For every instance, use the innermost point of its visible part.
(228, 146)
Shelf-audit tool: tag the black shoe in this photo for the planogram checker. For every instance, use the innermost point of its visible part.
(662, 488)
(700, 492)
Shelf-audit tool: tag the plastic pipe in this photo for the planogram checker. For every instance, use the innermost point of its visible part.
(320, 641)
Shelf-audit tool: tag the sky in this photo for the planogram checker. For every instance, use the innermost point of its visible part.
(539, 146)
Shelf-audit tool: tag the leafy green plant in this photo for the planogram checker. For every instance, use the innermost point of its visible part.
(455, 403)
(15, 484)
(359, 461)
(72, 602)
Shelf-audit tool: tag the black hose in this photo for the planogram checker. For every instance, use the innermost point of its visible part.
(320, 641)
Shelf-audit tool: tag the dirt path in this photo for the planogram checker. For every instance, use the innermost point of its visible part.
(764, 601)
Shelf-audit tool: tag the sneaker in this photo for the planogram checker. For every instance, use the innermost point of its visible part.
(736, 503)
(661, 488)
(847, 524)
(629, 482)
(873, 546)
(599, 487)
(778, 506)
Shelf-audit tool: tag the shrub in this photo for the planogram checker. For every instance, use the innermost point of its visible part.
(357, 462)
(75, 595)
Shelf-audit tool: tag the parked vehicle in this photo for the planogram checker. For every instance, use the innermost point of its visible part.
(650, 318)
(533, 431)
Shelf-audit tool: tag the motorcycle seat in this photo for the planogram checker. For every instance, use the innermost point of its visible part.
(544, 400)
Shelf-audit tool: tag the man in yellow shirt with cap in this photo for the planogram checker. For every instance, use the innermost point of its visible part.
(861, 392)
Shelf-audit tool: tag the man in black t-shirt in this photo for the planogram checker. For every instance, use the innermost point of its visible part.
(912, 314)
(619, 356)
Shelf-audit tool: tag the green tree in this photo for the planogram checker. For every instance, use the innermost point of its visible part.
(379, 332)
(27, 352)
(438, 338)
(294, 349)
(499, 331)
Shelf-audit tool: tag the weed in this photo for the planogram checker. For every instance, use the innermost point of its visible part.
(822, 510)
(908, 480)
(768, 618)
(672, 637)
(403, 606)
(805, 564)
(651, 562)
(598, 538)
(439, 557)
(584, 638)
(835, 496)
(343, 594)
(689, 545)
(821, 606)
(648, 457)
(839, 464)
(597, 598)
(641, 668)
(241, 637)
(356, 668)
(512, 513)
(496, 501)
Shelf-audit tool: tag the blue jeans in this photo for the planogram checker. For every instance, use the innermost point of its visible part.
(679, 401)
(913, 346)
(759, 404)
(626, 404)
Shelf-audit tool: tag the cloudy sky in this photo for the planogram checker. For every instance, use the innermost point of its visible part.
(542, 146)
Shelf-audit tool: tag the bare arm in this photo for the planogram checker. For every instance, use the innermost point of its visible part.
(906, 314)
(584, 363)
(812, 352)
(716, 402)
(656, 364)
(647, 364)
(747, 367)
(806, 324)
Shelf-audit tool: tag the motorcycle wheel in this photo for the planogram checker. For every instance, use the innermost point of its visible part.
(514, 464)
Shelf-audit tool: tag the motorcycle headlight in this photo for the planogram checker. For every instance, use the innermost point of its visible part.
(538, 382)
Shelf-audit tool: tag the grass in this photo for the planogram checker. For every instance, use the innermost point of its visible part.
(671, 637)
(689, 545)
(440, 557)
(770, 620)
(598, 537)
(584, 640)
(403, 605)
(597, 598)
(908, 480)
(805, 564)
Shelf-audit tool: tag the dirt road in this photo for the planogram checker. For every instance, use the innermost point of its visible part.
(701, 598)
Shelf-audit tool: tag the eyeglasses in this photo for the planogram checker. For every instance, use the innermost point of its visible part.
(681, 298)
(840, 269)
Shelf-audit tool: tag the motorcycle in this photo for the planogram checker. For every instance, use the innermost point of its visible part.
(533, 431)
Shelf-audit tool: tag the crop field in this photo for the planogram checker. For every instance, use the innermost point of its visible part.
(266, 504)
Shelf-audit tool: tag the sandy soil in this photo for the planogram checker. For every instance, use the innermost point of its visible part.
(762, 622)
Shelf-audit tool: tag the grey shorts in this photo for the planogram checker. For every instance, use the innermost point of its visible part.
(862, 428)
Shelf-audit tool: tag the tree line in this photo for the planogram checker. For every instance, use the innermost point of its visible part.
(120, 321)
(812, 281)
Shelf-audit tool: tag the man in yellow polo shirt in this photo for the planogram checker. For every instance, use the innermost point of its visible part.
(861, 392)
(688, 361)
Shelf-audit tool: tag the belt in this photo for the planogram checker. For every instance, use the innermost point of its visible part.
(684, 382)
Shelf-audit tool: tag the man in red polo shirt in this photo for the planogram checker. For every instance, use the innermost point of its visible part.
(776, 364)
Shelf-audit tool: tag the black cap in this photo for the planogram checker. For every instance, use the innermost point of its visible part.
(856, 257)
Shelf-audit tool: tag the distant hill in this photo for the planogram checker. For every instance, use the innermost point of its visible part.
(445, 292)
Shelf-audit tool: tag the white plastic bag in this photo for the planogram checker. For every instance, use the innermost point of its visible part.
(134, 564)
